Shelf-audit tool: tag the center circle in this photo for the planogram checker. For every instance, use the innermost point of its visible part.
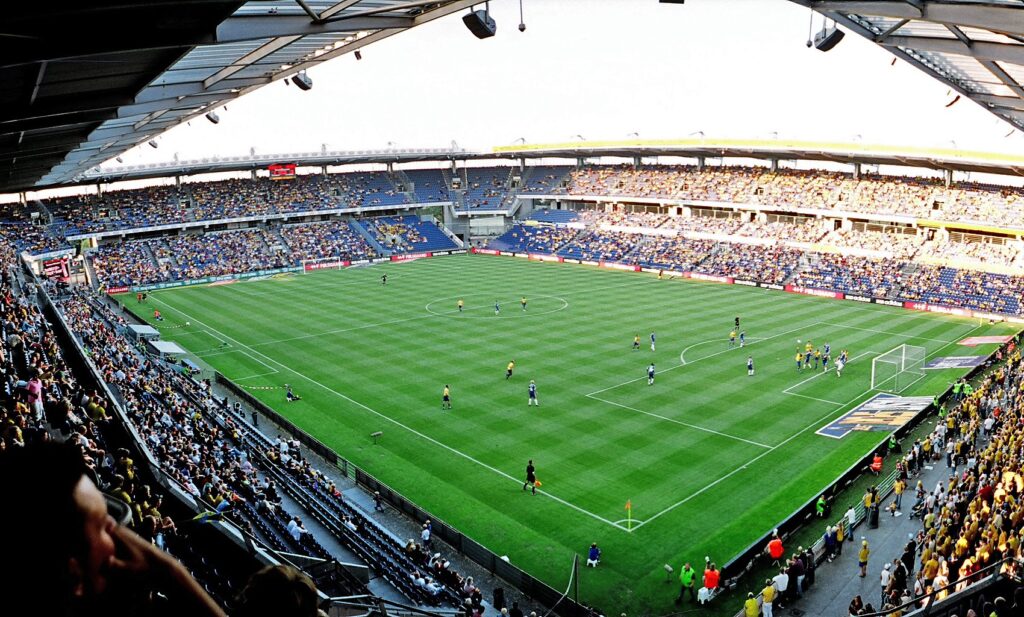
(485, 310)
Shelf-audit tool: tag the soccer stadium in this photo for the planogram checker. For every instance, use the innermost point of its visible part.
(264, 354)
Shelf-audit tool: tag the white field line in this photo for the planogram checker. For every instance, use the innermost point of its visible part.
(274, 372)
(820, 400)
(711, 485)
(208, 353)
(680, 422)
(397, 423)
(776, 447)
(899, 334)
(749, 341)
(258, 360)
(718, 353)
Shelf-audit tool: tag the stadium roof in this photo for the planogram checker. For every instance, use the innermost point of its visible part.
(83, 82)
(708, 148)
(977, 47)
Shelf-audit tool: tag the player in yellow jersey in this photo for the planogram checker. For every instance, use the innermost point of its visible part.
(461, 304)
(817, 358)
(523, 302)
(446, 398)
(636, 342)
(799, 361)
(508, 369)
(732, 338)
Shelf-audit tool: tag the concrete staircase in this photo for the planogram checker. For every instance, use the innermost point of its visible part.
(908, 271)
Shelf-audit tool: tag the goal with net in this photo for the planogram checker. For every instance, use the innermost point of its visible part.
(898, 368)
(324, 263)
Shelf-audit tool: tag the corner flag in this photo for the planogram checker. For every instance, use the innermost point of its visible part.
(629, 514)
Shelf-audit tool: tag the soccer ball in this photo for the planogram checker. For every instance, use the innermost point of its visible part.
(799, 341)
(188, 323)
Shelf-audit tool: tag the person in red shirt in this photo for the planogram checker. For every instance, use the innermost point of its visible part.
(774, 549)
(711, 576)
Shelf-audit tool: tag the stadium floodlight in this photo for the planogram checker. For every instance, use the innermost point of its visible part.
(898, 368)
(480, 23)
(827, 38)
(153, 144)
(302, 80)
(213, 117)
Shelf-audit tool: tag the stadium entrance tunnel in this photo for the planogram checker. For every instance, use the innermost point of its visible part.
(479, 306)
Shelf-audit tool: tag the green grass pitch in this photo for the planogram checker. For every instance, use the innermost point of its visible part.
(710, 458)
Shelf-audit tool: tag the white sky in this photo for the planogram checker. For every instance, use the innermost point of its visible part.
(602, 69)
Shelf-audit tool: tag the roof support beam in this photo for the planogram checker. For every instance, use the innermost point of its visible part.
(250, 58)
(337, 8)
(420, 19)
(175, 102)
(189, 88)
(1004, 77)
(980, 50)
(892, 30)
(1004, 19)
(252, 27)
(1007, 102)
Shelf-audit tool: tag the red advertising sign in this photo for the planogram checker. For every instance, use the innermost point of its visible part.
(282, 171)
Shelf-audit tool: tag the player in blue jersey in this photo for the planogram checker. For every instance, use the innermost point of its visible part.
(844, 356)
(652, 341)
(750, 365)
(824, 363)
(497, 307)
(743, 338)
(650, 374)
(828, 349)
(533, 394)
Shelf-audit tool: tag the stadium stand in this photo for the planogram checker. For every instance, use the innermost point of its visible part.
(878, 278)
(975, 518)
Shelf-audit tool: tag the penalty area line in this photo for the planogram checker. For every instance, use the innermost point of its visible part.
(680, 422)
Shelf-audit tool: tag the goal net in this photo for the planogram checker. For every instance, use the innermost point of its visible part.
(897, 368)
(324, 263)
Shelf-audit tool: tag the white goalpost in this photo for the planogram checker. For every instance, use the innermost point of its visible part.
(898, 368)
(323, 263)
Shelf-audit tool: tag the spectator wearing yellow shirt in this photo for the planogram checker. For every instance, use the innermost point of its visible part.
(768, 597)
(862, 557)
(750, 608)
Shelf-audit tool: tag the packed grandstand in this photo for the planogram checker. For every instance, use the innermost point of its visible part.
(898, 239)
(895, 238)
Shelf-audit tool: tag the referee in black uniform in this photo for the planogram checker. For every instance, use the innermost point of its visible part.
(531, 477)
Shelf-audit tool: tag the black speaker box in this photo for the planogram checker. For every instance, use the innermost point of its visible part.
(480, 24)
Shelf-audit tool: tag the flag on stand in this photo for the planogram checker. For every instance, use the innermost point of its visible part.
(629, 514)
